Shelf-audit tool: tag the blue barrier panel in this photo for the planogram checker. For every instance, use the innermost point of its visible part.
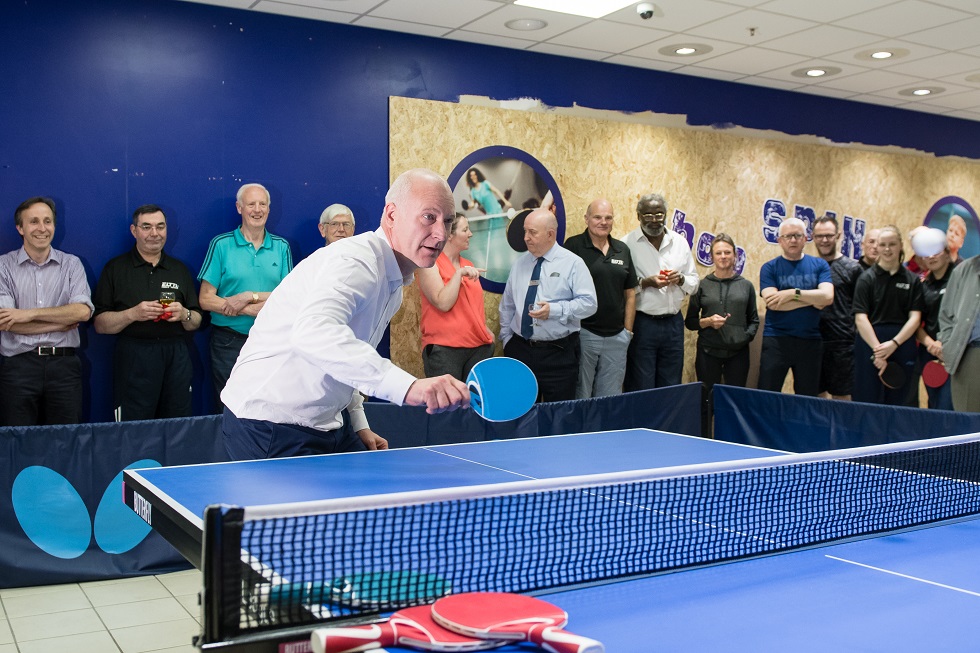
(802, 424)
(61, 513)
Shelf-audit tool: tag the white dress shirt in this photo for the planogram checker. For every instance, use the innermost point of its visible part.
(314, 341)
(674, 254)
(565, 283)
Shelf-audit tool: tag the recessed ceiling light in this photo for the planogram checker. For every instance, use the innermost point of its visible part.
(587, 8)
(881, 54)
(812, 71)
(975, 77)
(685, 49)
(921, 91)
(526, 24)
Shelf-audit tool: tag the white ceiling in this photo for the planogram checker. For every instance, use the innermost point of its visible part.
(759, 42)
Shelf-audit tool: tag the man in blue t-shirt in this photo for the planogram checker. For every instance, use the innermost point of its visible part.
(795, 286)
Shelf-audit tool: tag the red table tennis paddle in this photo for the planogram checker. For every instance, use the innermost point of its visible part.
(892, 375)
(501, 389)
(934, 375)
(511, 617)
(411, 628)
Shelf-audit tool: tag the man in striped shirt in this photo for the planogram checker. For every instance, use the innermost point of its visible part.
(44, 295)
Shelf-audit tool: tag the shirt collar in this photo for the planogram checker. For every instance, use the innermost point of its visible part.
(391, 263)
(23, 257)
(138, 260)
(241, 241)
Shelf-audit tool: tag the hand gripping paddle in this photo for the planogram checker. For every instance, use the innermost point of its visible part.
(411, 627)
(501, 389)
(934, 375)
(511, 617)
(892, 376)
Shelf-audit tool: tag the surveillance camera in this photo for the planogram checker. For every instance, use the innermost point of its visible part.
(645, 9)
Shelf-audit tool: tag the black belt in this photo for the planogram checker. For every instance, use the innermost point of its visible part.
(231, 332)
(49, 351)
(557, 342)
(661, 316)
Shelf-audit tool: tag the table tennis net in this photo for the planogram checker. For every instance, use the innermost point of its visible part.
(335, 560)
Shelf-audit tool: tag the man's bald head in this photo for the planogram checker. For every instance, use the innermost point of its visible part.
(540, 231)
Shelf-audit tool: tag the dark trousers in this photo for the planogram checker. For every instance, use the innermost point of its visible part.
(253, 439)
(655, 358)
(40, 390)
(780, 354)
(554, 363)
(867, 384)
(712, 370)
(151, 379)
(456, 361)
(225, 345)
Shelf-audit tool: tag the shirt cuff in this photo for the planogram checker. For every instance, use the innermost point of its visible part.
(394, 386)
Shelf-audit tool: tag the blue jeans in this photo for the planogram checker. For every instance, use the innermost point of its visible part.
(602, 366)
(656, 354)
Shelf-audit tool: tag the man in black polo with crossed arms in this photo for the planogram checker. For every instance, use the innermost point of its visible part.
(151, 365)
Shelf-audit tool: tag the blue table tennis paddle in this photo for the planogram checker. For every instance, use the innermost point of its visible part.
(501, 389)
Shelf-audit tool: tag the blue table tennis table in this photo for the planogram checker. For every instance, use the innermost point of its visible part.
(913, 590)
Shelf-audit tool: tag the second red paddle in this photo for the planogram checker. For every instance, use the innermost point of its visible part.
(411, 627)
(934, 375)
(512, 617)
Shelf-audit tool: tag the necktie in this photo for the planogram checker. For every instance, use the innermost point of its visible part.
(527, 329)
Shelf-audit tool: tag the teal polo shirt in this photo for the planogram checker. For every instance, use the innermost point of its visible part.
(233, 265)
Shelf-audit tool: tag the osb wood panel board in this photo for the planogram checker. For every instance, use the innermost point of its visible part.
(719, 180)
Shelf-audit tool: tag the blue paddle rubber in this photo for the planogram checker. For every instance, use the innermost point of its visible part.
(501, 389)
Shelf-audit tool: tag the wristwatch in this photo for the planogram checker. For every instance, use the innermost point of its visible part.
(796, 296)
(255, 297)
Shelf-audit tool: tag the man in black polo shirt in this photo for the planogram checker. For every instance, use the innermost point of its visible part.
(149, 299)
(606, 335)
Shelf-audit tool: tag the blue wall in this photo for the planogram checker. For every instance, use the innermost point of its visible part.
(110, 104)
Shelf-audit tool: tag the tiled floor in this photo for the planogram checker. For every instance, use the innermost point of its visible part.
(132, 615)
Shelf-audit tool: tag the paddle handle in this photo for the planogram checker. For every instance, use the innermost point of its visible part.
(557, 640)
(352, 639)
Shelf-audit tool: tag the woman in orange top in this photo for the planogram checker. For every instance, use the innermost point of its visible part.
(455, 336)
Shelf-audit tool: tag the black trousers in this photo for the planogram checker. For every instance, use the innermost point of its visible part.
(151, 379)
(780, 354)
(40, 390)
(554, 363)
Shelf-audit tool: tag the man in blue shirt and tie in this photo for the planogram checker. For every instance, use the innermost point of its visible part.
(548, 293)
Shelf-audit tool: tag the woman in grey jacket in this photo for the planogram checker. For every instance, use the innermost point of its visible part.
(723, 312)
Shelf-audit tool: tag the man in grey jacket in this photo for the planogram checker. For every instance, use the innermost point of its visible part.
(959, 331)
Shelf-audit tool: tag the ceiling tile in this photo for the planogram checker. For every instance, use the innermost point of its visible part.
(915, 50)
(752, 61)
(965, 100)
(447, 13)
(401, 26)
(483, 39)
(300, 11)
(608, 37)
(495, 23)
(786, 74)
(652, 51)
(637, 62)
(825, 11)
(871, 81)
(739, 27)
(957, 36)
(345, 6)
(567, 51)
(823, 40)
(949, 63)
(678, 15)
(903, 18)
(698, 71)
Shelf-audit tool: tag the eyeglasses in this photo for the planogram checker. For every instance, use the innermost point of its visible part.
(652, 216)
(147, 228)
(824, 236)
(346, 226)
(793, 237)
